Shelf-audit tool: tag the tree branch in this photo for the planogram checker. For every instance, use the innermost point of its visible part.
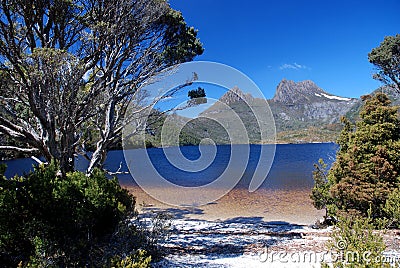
(19, 149)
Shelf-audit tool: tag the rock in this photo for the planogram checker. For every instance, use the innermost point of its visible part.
(235, 95)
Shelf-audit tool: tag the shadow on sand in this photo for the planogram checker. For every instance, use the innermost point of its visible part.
(222, 237)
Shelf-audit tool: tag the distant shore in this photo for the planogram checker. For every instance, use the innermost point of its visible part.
(277, 142)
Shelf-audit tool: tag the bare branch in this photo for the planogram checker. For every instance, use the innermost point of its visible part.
(37, 160)
(19, 149)
(118, 172)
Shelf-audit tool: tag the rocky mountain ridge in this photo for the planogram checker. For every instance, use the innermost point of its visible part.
(303, 112)
(303, 106)
(235, 95)
(290, 92)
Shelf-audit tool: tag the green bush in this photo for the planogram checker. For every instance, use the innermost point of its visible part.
(355, 243)
(146, 233)
(320, 191)
(47, 220)
(137, 260)
(392, 208)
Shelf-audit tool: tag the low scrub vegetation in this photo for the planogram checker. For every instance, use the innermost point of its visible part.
(47, 220)
(356, 244)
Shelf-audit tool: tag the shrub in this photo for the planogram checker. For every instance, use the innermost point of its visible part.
(320, 191)
(47, 220)
(356, 244)
(392, 208)
(137, 260)
(146, 233)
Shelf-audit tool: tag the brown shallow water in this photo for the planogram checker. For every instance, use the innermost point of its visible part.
(292, 206)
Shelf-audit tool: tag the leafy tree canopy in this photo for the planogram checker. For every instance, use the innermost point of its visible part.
(197, 93)
(386, 59)
(72, 68)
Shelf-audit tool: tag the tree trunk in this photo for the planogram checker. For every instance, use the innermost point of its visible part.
(97, 160)
(100, 154)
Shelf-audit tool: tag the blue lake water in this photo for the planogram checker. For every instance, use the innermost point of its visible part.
(291, 169)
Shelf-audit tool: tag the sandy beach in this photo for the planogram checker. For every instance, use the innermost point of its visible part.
(266, 228)
(291, 206)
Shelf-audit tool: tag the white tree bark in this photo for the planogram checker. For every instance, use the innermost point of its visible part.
(70, 66)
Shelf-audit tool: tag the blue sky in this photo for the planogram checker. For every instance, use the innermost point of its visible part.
(324, 41)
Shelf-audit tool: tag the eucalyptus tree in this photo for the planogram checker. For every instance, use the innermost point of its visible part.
(70, 68)
(386, 58)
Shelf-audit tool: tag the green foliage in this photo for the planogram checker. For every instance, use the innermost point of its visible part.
(2, 170)
(65, 94)
(367, 165)
(392, 208)
(386, 59)
(357, 244)
(183, 44)
(368, 162)
(47, 220)
(154, 130)
(137, 260)
(196, 93)
(320, 191)
(147, 234)
(197, 97)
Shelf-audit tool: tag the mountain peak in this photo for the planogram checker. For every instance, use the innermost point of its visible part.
(290, 92)
(235, 94)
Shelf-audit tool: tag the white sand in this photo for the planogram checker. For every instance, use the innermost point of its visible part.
(261, 229)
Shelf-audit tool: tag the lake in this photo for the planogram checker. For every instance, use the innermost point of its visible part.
(291, 169)
(283, 195)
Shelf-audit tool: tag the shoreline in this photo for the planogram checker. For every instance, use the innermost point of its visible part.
(231, 144)
(289, 206)
(227, 234)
